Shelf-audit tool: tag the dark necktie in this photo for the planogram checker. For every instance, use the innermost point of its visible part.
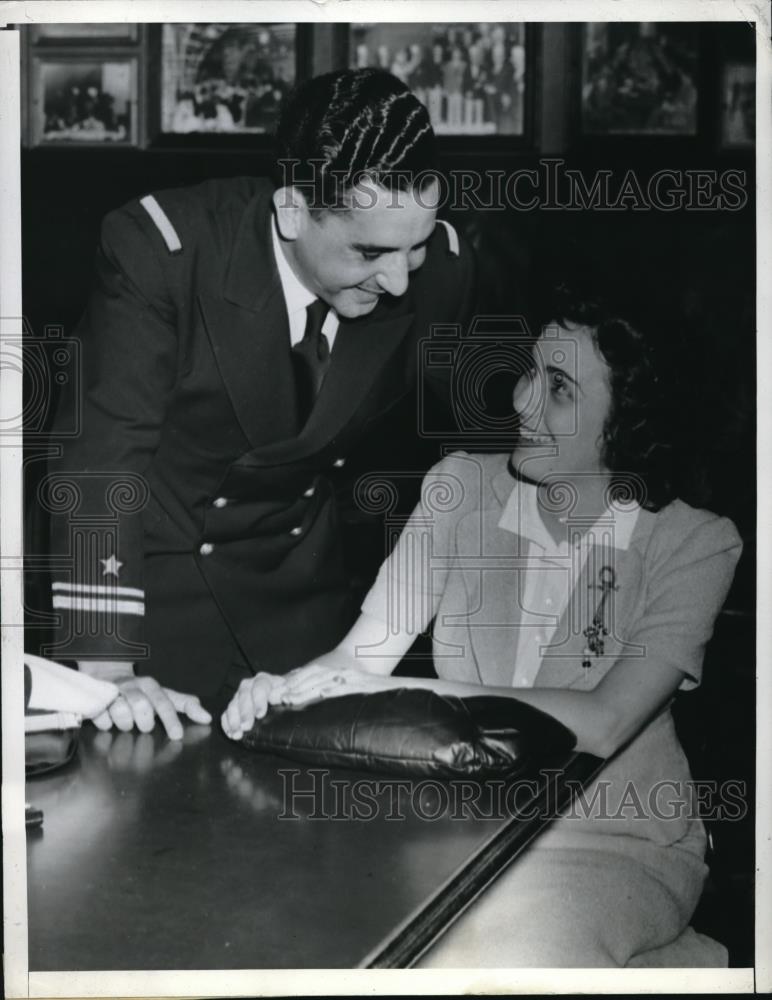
(311, 357)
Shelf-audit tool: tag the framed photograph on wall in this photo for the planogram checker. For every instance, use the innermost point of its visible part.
(639, 78)
(225, 78)
(83, 98)
(472, 77)
(738, 105)
(85, 34)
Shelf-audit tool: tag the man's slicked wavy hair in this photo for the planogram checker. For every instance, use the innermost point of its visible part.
(340, 128)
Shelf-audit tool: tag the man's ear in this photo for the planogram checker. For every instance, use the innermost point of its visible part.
(291, 212)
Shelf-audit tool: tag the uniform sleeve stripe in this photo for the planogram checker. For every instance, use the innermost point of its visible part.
(97, 588)
(453, 245)
(161, 219)
(96, 605)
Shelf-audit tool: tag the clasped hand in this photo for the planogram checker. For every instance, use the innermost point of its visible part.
(329, 676)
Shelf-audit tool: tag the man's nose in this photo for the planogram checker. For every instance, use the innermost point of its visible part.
(393, 273)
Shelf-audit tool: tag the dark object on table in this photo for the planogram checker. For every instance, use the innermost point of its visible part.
(48, 750)
(33, 817)
(415, 733)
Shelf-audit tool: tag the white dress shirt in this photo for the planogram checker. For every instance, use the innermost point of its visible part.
(552, 570)
(297, 297)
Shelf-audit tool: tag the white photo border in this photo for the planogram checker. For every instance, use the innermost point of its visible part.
(19, 981)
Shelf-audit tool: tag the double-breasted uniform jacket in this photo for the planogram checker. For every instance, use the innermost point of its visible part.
(464, 568)
(193, 517)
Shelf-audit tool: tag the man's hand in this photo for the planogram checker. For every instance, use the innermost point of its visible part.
(141, 700)
(251, 702)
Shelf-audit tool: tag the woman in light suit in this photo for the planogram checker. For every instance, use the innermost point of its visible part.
(569, 576)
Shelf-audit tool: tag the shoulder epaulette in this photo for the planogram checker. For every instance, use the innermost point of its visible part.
(161, 220)
(453, 243)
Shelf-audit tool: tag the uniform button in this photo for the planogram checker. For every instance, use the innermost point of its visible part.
(297, 531)
(548, 602)
(523, 682)
(310, 491)
(206, 549)
(339, 463)
(220, 502)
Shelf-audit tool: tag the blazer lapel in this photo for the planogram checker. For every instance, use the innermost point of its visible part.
(492, 560)
(362, 350)
(253, 358)
(248, 330)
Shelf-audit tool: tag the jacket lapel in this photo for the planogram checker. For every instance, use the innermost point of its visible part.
(248, 330)
(492, 617)
(492, 562)
(363, 348)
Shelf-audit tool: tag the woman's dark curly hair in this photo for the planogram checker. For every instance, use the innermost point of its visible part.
(637, 445)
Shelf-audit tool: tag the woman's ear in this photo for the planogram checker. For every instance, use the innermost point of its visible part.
(291, 212)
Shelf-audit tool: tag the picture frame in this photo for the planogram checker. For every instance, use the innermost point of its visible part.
(474, 78)
(640, 79)
(106, 33)
(737, 128)
(82, 98)
(221, 84)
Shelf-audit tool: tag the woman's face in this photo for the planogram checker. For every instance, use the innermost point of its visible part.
(562, 402)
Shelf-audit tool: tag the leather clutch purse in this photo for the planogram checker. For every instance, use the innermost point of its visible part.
(415, 732)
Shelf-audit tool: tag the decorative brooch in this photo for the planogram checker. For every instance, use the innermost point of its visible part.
(596, 631)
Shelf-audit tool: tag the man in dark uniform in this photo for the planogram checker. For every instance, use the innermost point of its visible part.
(241, 338)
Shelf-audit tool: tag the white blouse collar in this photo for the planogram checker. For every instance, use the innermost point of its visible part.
(521, 516)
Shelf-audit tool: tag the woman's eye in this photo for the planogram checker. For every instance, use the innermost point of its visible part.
(367, 255)
(559, 384)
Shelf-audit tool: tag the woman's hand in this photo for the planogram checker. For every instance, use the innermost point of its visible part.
(251, 702)
(331, 676)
